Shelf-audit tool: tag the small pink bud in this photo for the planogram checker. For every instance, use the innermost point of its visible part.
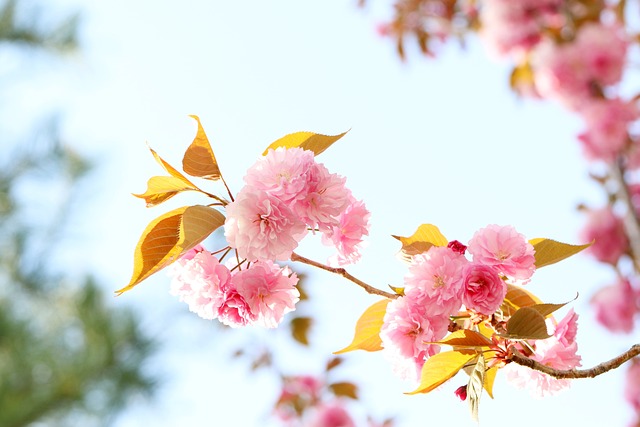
(456, 246)
(461, 392)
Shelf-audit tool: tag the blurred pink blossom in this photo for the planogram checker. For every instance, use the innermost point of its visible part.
(262, 227)
(347, 235)
(607, 230)
(615, 306)
(268, 290)
(435, 280)
(607, 123)
(632, 385)
(331, 415)
(483, 289)
(505, 249)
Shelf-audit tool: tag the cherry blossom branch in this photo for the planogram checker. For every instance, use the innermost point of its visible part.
(342, 272)
(520, 359)
(630, 221)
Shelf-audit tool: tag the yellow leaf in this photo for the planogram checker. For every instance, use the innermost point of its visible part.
(489, 379)
(199, 159)
(344, 389)
(441, 367)
(306, 140)
(162, 188)
(465, 338)
(526, 324)
(368, 327)
(300, 329)
(549, 251)
(169, 236)
(425, 236)
(518, 297)
(171, 170)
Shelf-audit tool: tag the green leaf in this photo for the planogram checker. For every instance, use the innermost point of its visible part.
(475, 386)
(466, 338)
(344, 389)
(168, 237)
(305, 140)
(426, 236)
(162, 188)
(199, 159)
(367, 335)
(549, 251)
(526, 323)
(441, 367)
(300, 329)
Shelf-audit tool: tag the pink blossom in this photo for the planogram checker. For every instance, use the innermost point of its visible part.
(298, 392)
(513, 27)
(330, 415)
(268, 290)
(616, 306)
(505, 249)
(484, 290)
(406, 330)
(559, 352)
(607, 127)
(605, 228)
(456, 246)
(632, 385)
(569, 71)
(461, 392)
(347, 235)
(326, 199)
(262, 227)
(200, 282)
(435, 280)
(283, 173)
(235, 310)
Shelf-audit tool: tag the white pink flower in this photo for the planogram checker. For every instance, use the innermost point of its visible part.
(200, 280)
(235, 311)
(347, 235)
(505, 249)
(559, 352)
(616, 306)
(262, 227)
(483, 289)
(406, 332)
(632, 385)
(606, 230)
(283, 173)
(268, 290)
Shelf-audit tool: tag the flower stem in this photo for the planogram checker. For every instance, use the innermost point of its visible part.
(342, 272)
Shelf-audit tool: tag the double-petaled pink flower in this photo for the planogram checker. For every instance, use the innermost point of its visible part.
(483, 289)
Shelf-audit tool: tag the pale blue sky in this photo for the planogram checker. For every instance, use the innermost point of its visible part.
(440, 140)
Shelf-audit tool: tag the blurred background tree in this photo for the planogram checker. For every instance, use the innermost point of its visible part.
(64, 351)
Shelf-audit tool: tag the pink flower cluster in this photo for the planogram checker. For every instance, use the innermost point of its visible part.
(260, 294)
(286, 193)
(441, 281)
(559, 352)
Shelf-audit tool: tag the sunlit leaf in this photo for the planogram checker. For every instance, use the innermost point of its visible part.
(489, 379)
(199, 159)
(426, 236)
(169, 236)
(171, 170)
(518, 297)
(546, 309)
(475, 386)
(162, 188)
(486, 330)
(549, 251)
(441, 367)
(300, 329)
(526, 323)
(397, 291)
(465, 338)
(368, 327)
(344, 389)
(305, 140)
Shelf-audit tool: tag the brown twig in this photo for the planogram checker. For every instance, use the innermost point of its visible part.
(600, 369)
(342, 272)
